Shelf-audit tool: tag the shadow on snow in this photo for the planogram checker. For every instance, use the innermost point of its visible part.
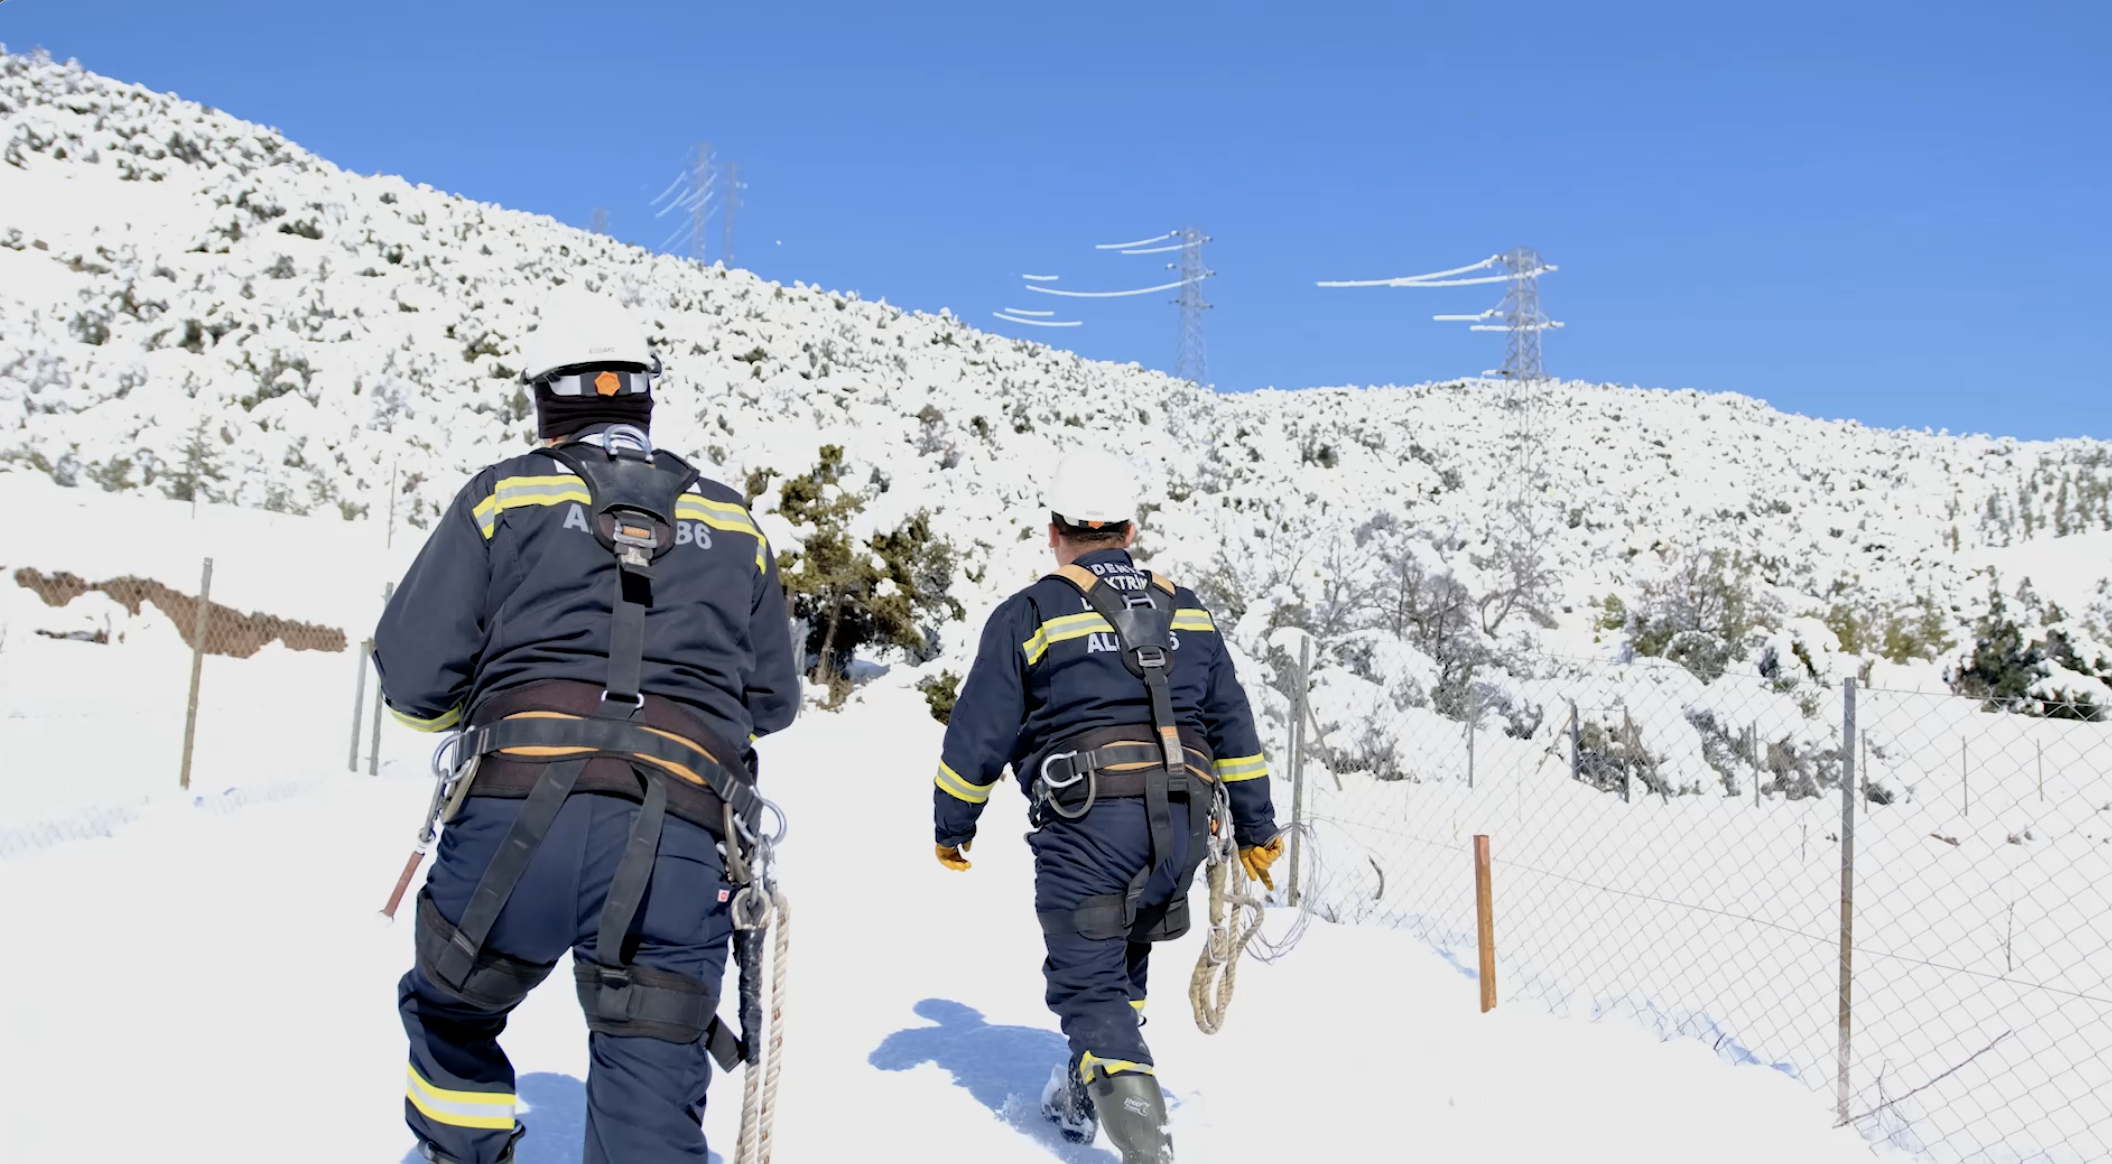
(1003, 1068)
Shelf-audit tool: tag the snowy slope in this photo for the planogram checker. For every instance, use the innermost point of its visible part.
(915, 1022)
(188, 297)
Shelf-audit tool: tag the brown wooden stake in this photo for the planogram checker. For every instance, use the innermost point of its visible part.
(1484, 923)
(410, 867)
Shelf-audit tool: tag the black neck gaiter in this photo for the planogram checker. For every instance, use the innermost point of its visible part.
(561, 416)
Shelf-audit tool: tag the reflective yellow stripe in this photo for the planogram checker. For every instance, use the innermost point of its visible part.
(1088, 1061)
(1136, 1004)
(441, 722)
(1242, 768)
(720, 515)
(462, 1109)
(558, 488)
(1059, 630)
(520, 492)
(1193, 619)
(960, 789)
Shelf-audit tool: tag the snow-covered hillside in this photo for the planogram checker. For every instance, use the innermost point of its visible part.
(190, 300)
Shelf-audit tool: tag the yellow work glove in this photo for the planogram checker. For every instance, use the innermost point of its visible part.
(954, 856)
(1256, 859)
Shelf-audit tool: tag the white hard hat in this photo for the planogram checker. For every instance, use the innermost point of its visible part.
(1093, 487)
(580, 329)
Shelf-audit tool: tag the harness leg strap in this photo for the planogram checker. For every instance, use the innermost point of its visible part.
(454, 961)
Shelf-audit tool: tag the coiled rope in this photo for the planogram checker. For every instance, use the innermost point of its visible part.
(1236, 918)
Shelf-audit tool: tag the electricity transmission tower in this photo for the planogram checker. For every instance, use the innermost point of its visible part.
(1191, 357)
(598, 222)
(1519, 315)
(1191, 360)
(703, 179)
(1520, 312)
(730, 188)
(1524, 401)
(706, 186)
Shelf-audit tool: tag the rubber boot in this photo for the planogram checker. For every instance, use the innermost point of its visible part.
(1065, 1103)
(1132, 1110)
(428, 1152)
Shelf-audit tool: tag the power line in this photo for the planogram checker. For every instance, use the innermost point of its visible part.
(1519, 313)
(1106, 294)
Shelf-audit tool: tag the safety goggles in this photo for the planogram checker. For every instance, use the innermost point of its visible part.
(603, 382)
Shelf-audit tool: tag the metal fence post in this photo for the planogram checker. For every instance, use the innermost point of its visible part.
(1473, 714)
(201, 622)
(1576, 738)
(1305, 662)
(388, 591)
(1848, 798)
(359, 703)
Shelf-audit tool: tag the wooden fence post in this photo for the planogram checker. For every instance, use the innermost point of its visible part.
(1484, 923)
(201, 624)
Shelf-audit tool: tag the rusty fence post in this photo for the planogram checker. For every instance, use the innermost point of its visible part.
(1484, 923)
(201, 623)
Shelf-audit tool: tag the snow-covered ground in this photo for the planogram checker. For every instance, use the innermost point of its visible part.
(190, 304)
(229, 968)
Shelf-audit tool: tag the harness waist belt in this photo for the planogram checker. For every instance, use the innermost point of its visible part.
(1121, 759)
(520, 732)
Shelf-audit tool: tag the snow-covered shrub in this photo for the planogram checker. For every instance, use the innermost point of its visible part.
(2032, 658)
(854, 589)
(1702, 602)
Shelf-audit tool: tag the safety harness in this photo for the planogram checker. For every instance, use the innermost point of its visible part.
(1160, 764)
(632, 496)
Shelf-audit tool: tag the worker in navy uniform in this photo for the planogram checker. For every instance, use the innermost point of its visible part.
(1111, 696)
(609, 628)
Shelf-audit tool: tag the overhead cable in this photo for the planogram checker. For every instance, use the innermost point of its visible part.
(1140, 242)
(1117, 294)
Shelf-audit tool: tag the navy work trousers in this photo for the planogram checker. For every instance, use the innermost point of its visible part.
(1096, 985)
(645, 1097)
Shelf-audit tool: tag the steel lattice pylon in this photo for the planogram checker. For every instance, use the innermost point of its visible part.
(1522, 321)
(1191, 358)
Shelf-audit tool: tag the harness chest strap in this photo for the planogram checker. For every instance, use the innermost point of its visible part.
(634, 504)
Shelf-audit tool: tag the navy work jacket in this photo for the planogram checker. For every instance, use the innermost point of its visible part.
(514, 588)
(1050, 669)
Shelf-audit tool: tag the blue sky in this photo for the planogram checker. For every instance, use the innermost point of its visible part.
(1896, 212)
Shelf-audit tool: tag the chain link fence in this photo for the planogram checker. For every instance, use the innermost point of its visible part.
(1931, 949)
(129, 695)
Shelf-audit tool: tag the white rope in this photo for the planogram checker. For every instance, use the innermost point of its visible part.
(759, 1080)
(1217, 968)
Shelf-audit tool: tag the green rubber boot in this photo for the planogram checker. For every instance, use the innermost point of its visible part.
(1132, 1112)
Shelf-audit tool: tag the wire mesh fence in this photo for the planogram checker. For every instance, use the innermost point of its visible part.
(213, 706)
(1678, 853)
